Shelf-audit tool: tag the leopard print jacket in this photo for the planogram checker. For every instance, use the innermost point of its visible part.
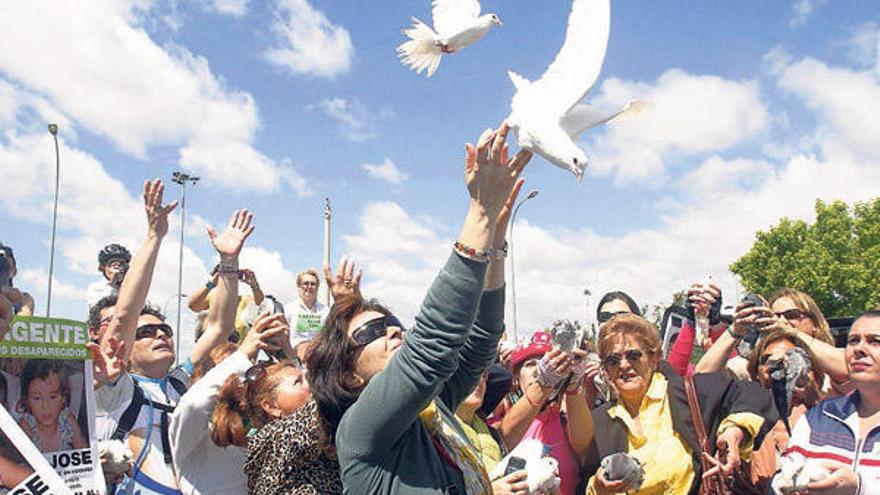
(285, 458)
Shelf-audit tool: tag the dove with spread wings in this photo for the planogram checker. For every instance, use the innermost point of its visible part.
(545, 114)
(457, 24)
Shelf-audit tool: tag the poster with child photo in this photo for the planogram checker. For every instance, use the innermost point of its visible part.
(45, 385)
(23, 470)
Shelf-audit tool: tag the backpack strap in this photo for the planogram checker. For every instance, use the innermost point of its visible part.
(129, 417)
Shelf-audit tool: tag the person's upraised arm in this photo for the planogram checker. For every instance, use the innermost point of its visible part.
(136, 285)
(6, 314)
(415, 376)
(481, 347)
(221, 314)
(198, 299)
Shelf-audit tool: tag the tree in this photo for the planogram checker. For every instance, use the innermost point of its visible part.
(836, 259)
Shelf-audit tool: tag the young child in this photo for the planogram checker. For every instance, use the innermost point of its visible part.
(45, 418)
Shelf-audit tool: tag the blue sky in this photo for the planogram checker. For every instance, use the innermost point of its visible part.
(755, 109)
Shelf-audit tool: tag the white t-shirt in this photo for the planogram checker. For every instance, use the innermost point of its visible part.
(97, 291)
(305, 323)
(153, 475)
(202, 466)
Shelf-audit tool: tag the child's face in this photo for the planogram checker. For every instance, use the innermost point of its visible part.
(45, 399)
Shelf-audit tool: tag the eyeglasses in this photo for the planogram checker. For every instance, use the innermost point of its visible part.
(764, 359)
(308, 284)
(373, 329)
(632, 356)
(255, 373)
(607, 315)
(792, 314)
(152, 331)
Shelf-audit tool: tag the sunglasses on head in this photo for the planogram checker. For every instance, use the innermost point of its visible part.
(632, 356)
(374, 329)
(152, 331)
(607, 315)
(791, 314)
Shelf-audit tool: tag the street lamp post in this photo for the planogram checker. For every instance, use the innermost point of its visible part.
(532, 194)
(182, 179)
(328, 213)
(53, 130)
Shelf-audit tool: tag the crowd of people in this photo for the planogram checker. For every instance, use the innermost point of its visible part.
(300, 398)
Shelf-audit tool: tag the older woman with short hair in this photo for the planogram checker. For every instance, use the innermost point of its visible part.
(651, 420)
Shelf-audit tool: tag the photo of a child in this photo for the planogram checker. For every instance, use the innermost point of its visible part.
(13, 467)
(44, 407)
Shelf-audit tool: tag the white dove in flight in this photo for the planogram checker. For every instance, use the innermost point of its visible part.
(545, 114)
(458, 23)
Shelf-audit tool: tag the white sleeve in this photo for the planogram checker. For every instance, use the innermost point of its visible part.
(112, 396)
(191, 419)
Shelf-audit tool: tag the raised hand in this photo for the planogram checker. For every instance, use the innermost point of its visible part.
(229, 243)
(490, 174)
(157, 214)
(107, 364)
(347, 280)
(262, 334)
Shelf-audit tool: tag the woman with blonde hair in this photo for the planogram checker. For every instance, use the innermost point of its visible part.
(651, 418)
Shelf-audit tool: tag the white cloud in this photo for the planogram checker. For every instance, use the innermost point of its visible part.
(235, 8)
(864, 46)
(101, 69)
(351, 116)
(845, 102)
(399, 254)
(386, 171)
(308, 43)
(801, 11)
(684, 114)
(273, 277)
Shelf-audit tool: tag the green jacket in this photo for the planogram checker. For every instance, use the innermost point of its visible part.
(382, 446)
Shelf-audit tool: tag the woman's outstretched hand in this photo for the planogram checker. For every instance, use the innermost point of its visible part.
(490, 174)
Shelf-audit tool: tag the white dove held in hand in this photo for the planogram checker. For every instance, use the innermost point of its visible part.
(545, 114)
(457, 24)
(543, 470)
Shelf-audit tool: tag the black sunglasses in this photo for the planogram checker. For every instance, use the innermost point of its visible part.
(373, 329)
(791, 314)
(152, 330)
(607, 315)
(632, 356)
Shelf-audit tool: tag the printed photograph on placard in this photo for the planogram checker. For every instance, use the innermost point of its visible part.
(23, 470)
(45, 385)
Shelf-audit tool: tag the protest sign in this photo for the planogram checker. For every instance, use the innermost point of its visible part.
(23, 470)
(46, 387)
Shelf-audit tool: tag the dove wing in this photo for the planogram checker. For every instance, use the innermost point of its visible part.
(453, 16)
(582, 117)
(578, 63)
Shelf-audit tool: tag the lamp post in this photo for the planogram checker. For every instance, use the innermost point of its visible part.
(53, 130)
(182, 179)
(327, 214)
(532, 194)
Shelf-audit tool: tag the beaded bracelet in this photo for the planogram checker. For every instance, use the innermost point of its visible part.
(228, 268)
(473, 253)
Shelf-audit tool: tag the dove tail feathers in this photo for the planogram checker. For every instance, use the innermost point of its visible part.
(421, 52)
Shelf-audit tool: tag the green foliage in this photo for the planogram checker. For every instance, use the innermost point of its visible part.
(836, 259)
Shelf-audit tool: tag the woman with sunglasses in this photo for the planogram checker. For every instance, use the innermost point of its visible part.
(615, 303)
(651, 421)
(387, 403)
(790, 310)
(208, 448)
(770, 353)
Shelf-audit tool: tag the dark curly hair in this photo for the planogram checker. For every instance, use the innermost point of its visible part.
(331, 363)
(105, 302)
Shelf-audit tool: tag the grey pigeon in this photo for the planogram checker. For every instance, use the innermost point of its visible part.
(624, 467)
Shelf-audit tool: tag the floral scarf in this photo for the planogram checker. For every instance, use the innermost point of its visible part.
(476, 480)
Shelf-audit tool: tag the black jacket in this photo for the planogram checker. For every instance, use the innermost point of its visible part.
(719, 396)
